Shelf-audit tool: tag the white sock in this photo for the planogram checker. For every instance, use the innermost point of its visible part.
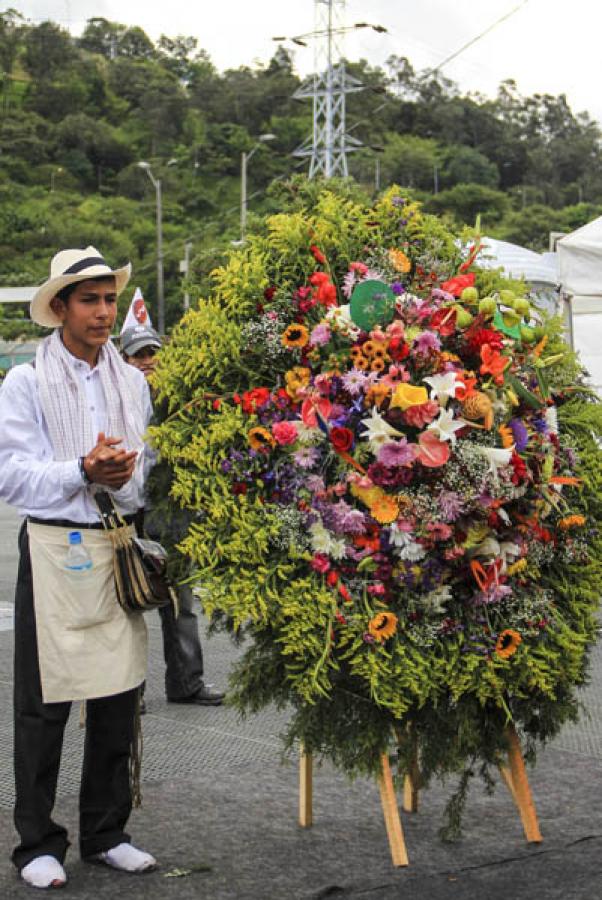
(127, 858)
(44, 872)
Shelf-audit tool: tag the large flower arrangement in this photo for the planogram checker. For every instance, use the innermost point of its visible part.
(392, 463)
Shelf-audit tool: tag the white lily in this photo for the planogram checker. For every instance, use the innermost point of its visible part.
(491, 549)
(446, 426)
(378, 431)
(443, 387)
(497, 457)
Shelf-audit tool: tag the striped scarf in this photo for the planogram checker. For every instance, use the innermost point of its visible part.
(64, 403)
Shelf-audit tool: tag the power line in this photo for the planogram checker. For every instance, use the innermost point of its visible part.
(478, 37)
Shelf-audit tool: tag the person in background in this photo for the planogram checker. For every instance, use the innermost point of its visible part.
(71, 422)
(181, 644)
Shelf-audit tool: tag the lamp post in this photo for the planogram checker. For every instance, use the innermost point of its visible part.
(156, 182)
(53, 175)
(244, 159)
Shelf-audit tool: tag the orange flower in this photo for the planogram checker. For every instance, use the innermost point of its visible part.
(377, 364)
(493, 363)
(297, 380)
(377, 394)
(368, 349)
(362, 363)
(382, 626)
(463, 393)
(571, 522)
(507, 643)
(399, 261)
(506, 435)
(537, 350)
(384, 509)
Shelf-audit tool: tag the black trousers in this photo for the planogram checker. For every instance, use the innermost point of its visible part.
(182, 648)
(105, 797)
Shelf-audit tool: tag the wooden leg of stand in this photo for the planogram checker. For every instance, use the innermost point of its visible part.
(410, 787)
(522, 791)
(507, 776)
(391, 813)
(305, 790)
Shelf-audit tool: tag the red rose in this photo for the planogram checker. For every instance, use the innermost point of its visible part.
(341, 439)
(398, 349)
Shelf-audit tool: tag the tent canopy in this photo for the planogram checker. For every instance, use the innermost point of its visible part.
(518, 262)
(16, 294)
(580, 261)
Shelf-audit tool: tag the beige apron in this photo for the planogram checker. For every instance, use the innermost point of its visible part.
(87, 645)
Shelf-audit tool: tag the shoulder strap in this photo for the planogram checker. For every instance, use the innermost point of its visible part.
(109, 516)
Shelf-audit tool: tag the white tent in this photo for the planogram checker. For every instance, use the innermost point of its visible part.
(580, 269)
(539, 269)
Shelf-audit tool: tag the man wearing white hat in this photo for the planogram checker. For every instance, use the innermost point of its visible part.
(73, 421)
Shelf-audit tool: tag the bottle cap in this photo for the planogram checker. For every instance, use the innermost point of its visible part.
(75, 537)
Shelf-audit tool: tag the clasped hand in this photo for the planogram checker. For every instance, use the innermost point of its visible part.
(107, 465)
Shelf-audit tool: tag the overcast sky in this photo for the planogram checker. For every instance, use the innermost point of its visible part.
(548, 46)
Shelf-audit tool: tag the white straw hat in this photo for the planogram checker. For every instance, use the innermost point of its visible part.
(69, 267)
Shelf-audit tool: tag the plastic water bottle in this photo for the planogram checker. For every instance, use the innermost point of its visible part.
(78, 559)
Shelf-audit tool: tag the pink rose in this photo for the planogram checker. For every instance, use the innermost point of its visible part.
(284, 432)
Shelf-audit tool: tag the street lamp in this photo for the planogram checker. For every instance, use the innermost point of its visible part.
(53, 175)
(244, 159)
(156, 182)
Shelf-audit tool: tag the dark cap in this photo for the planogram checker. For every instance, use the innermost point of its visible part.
(134, 339)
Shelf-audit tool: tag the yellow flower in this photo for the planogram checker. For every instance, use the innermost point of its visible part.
(368, 348)
(296, 379)
(377, 394)
(399, 261)
(507, 643)
(361, 363)
(366, 495)
(261, 439)
(406, 395)
(295, 336)
(382, 626)
(385, 509)
(377, 364)
(519, 566)
(571, 522)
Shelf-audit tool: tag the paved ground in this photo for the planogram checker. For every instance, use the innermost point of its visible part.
(218, 801)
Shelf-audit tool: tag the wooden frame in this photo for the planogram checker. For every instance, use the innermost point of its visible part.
(514, 776)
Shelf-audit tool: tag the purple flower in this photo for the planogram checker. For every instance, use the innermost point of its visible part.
(320, 335)
(354, 381)
(348, 284)
(451, 505)
(397, 453)
(315, 483)
(540, 424)
(346, 519)
(382, 475)
(398, 201)
(521, 435)
(426, 341)
(306, 457)
(398, 288)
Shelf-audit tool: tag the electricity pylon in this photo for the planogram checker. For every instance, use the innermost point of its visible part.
(329, 144)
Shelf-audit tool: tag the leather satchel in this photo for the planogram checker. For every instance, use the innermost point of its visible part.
(139, 564)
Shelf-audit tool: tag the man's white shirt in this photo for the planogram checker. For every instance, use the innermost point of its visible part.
(30, 478)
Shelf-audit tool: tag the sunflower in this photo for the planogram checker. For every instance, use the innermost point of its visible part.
(399, 261)
(361, 363)
(261, 439)
(507, 643)
(377, 364)
(355, 352)
(295, 336)
(368, 349)
(385, 509)
(382, 626)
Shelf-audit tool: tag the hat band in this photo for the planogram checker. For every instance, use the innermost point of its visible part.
(85, 264)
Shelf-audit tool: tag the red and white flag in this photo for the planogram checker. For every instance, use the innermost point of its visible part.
(137, 313)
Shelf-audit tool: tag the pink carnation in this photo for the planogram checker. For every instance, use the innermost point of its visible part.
(284, 432)
(320, 563)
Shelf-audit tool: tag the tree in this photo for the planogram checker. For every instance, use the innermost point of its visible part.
(467, 201)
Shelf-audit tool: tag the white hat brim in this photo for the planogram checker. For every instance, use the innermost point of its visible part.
(40, 311)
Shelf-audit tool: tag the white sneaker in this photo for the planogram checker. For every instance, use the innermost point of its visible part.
(44, 872)
(127, 858)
